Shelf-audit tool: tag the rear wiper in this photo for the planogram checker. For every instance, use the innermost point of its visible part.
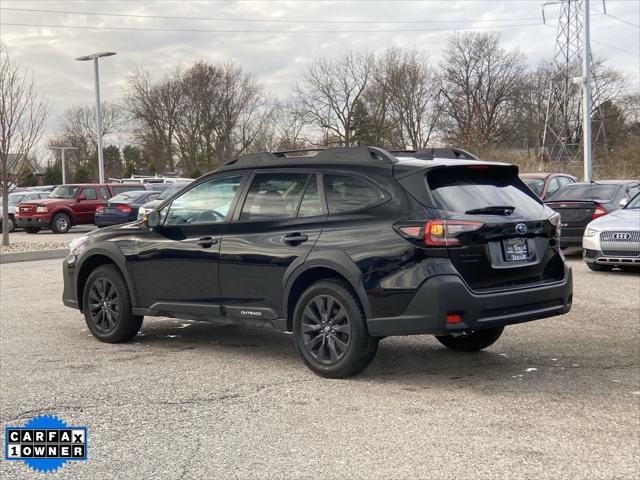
(493, 210)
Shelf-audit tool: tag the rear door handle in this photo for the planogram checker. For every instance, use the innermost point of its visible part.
(295, 238)
(206, 242)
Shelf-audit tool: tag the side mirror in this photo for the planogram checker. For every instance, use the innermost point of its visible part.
(623, 202)
(82, 197)
(152, 219)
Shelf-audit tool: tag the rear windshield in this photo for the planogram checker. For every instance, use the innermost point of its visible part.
(126, 187)
(585, 192)
(465, 189)
(124, 197)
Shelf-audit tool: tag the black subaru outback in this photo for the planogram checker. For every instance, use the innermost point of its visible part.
(341, 249)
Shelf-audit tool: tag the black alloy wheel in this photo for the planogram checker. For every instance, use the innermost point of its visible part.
(104, 305)
(107, 308)
(326, 329)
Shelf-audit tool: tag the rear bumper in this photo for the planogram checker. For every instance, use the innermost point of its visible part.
(445, 294)
(38, 220)
(108, 220)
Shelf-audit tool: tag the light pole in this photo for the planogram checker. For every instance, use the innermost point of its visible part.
(96, 72)
(586, 93)
(62, 149)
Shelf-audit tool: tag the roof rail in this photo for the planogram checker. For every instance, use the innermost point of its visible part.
(431, 153)
(331, 155)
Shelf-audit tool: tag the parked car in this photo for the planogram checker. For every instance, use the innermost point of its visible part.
(149, 206)
(544, 184)
(580, 203)
(614, 240)
(15, 198)
(340, 249)
(68, 205)
(122, 208)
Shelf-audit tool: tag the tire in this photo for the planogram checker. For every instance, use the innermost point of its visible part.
(31, 229)
(599, 268)
(108, 316)
(61, 223)
(471, 342)
(11, 223)
(332, 353)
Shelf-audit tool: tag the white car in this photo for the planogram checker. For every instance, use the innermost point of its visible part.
(614, 240)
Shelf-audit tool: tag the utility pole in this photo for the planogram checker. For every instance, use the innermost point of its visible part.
(586, 93)
(64, 171)
(568, 119)
(96, 73)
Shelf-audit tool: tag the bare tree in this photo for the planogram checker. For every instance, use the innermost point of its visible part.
(78, 129)
(479, 85)
(330, 90)
(155, 108)
(414, 95)
(22, 117)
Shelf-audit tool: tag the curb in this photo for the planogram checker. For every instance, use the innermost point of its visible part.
(35, 255)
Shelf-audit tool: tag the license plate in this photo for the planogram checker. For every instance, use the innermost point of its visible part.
(515, 249)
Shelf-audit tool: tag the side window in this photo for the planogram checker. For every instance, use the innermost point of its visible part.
(632, 191)
(553, 185)
(565, 181)
(346, 193)
(208, 202)
(89, 193)
(310, 205)
(274, 195)
(104, 191)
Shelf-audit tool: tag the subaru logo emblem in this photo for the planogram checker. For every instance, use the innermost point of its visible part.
(521, 228)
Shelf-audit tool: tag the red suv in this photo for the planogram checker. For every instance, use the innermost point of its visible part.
(68, 205)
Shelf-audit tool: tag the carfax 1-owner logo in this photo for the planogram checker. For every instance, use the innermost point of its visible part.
(45, 443)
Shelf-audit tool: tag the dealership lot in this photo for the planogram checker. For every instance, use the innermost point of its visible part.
(556, 398)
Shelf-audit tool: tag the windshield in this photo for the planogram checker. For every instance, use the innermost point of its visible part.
(465, 189)
(592, 191)
(634, 203)
(15, 198)
(535, 184)
(64, 191)
(170, 191)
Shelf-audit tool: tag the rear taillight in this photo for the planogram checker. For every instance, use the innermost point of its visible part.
(598, 212)
(124, 208)
(100, 209)
(440, 233)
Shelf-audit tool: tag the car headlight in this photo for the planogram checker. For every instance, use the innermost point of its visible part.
(591, 232)
(41, 209)
(77, 242)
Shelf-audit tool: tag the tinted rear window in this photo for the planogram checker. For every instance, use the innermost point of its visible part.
(126, 187)
(463, 189)
(347, 193)
(585, 192)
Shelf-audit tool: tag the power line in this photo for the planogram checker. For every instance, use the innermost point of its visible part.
(613, 47)
(204, 30)
(264, 20)
(622, 20)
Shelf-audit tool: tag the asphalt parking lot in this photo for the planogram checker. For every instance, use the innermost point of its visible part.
(44, 236)
(556, 398)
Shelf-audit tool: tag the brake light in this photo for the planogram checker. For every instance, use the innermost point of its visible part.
(124, 208)
(598, 212)
(453, 318)
(99, 209)
(439, 233)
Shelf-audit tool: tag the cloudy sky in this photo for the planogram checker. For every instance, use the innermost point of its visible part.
(273, 39)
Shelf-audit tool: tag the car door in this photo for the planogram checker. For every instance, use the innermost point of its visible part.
(276, 224)
(86, 204)
(176, 263)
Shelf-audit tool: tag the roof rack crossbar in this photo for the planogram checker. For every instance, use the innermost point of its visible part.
(431, 153)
